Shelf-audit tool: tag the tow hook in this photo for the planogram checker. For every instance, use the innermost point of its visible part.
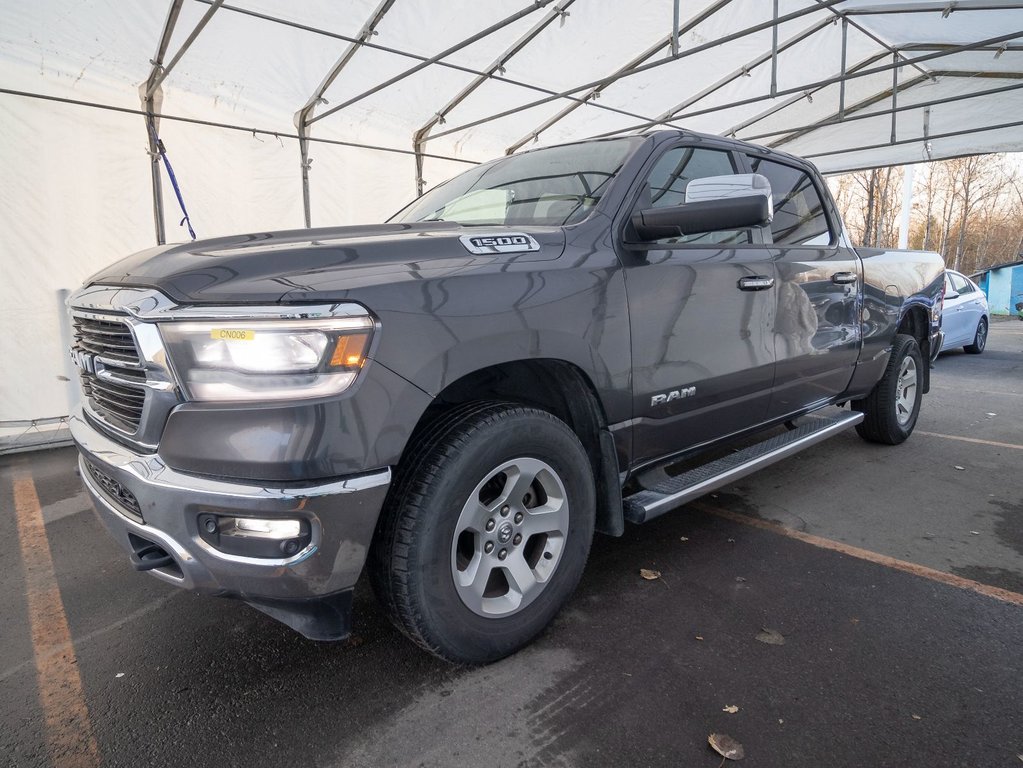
(150, 557)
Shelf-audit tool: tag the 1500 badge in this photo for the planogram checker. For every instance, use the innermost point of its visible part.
(675, 394)
(502, 242)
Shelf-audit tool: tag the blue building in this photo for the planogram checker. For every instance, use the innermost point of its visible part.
(1003, 285)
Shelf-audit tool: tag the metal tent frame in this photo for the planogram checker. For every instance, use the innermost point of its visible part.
(821, 13)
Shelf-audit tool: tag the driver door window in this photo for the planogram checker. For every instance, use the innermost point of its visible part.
(666, 186)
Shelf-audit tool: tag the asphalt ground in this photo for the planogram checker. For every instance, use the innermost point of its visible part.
(894, 575)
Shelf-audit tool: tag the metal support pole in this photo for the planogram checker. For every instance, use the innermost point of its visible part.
(74, 391)
(774, 52)
(907, 205)
(841, 85)
(895, 94)
(304, 115)
(151, 94)
(674, 26)
(927, 132)
(152, 100)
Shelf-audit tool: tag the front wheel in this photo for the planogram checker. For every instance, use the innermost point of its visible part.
(486, 531)
(979, 339)
(890, 411)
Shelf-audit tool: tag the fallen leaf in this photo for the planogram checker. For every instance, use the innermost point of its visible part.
(726, 746)
(649, 575)
(730, 709)
(854, 621)
(771, 636)
(916, 717)
(700, 638)
(959, 468)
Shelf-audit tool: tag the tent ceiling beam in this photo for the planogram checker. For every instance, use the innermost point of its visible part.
(744, 71)
(606, 81)
(916, 140)
(817, 84)
(483, 33)
(420, 58)
(160, 72)
(944, 7)
(439, 117)
(844, 15)
(855, 113)
(303, 115)
(594, 93)
(734, 130)
(229, 126)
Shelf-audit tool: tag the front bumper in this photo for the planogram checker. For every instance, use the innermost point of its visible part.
(342, 515)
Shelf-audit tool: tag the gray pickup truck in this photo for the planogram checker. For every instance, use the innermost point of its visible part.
(457, 400)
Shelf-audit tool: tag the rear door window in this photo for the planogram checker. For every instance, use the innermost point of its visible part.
(799, 216)
(960, 284)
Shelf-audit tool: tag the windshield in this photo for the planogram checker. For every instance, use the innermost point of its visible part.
(553, 187)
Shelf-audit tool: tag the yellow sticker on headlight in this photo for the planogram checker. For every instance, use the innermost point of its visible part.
(232, 334)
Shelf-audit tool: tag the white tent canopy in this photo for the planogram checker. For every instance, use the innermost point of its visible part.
(279, 114)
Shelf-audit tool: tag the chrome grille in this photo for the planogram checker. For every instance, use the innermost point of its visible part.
(110, 369)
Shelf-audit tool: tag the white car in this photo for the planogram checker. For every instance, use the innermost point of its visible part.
(965, 318)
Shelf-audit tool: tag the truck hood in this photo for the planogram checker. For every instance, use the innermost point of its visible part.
(308, 263)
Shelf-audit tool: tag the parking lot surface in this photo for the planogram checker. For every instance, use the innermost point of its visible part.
(894, 577)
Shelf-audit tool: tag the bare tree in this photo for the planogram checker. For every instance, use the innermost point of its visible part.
(968, 209)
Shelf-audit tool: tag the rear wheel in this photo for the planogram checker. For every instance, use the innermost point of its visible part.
(979, 338)
(891, 409)
(486, 531)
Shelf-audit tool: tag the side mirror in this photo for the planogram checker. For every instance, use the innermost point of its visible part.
(951, 295)
(713, 204)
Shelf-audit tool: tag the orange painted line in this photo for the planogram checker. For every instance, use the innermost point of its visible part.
(69, 734)
(865, 554)
(970, 440)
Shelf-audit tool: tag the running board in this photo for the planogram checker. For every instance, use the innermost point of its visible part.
(668, 494)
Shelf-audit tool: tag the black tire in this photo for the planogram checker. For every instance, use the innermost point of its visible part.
(979, 338)
(882, 421)
(412, 557)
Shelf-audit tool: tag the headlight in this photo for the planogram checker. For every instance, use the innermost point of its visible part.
(256, 360)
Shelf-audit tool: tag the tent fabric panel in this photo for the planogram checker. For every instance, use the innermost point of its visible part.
(76, 196)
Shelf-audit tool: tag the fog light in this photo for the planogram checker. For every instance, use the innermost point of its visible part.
(273, 529)
(255, 537)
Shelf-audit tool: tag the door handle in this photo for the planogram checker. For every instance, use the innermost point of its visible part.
(843, 278)
(756, 283)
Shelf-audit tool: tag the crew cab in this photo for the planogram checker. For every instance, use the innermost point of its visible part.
(455, 401)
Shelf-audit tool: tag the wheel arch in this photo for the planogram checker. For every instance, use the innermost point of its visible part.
(559, 387)
(915, 322)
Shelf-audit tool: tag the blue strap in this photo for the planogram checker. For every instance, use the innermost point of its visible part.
(173, 179)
